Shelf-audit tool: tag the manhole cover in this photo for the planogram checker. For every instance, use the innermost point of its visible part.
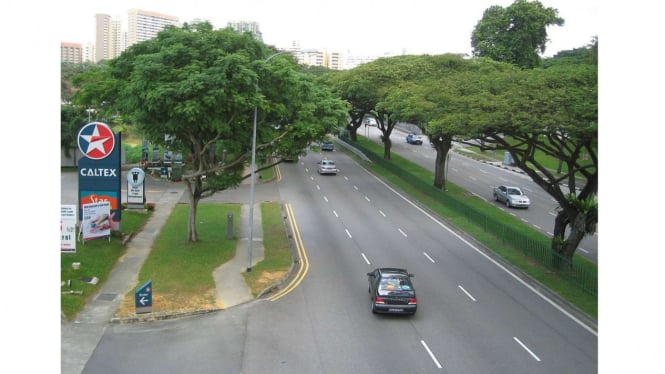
(106, 296)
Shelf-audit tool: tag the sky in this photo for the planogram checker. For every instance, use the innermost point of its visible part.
(358, 27)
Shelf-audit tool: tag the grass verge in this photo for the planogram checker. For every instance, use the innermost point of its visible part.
(277, 256)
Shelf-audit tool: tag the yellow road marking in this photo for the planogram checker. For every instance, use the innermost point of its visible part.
(302, 257)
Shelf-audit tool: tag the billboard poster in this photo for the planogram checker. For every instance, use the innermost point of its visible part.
(99, 169)
(96, 221)
(68, 229)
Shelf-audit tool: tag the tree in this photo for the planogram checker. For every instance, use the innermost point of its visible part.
(516, 34)
(72, 118)
(201, 87)
(552, 112)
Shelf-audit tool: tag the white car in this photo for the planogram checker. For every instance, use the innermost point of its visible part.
(512, 196)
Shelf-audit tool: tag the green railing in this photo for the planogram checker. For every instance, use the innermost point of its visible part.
(582, 276)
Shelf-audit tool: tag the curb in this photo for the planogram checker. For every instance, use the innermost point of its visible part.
(162, 316)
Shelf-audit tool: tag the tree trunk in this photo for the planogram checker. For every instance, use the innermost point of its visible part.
(192, 236)
(353, 133)
(566, 246)
(442, 150)
(192, 194)
(386, 147)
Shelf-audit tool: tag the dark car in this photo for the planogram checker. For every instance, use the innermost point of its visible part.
(327, 146)
(391, 291)
(414, 139)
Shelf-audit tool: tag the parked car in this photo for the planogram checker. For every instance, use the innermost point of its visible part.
(414, 139)
(391, 291)
(327, 166)
(327, 146)
(511, 196)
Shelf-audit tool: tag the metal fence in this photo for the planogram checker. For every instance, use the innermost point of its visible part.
(582, 276)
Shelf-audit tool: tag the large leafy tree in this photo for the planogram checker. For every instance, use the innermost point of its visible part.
(373, 89)
(551, 112)
(516, 34)
(201, 87)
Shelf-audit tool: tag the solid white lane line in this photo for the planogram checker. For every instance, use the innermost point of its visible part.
(527, 349)
(431, 355)
(467, 294)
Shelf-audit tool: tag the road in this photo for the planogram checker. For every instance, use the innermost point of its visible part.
(474, 316)
(480, 178)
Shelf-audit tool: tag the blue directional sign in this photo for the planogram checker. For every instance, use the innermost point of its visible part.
(143, 298)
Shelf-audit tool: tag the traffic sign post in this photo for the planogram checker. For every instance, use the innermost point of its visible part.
(143, 298)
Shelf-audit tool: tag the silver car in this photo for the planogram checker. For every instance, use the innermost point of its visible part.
(327, 166)
(512, 196)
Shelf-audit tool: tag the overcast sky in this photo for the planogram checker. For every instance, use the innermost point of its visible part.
(355, 26)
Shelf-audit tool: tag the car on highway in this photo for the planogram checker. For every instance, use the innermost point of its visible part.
(327, 166)
(414, 139)
(391, 291)
(327, 146)
(512, 196)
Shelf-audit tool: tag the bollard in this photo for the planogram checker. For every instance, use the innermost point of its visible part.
(229, 225)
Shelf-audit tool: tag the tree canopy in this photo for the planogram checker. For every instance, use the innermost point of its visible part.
(196, 90)
(516, 34)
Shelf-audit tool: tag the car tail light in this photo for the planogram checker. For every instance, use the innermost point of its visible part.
(379, 300)
(412, 301)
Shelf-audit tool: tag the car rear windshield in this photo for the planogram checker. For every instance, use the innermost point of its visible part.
(396, 284)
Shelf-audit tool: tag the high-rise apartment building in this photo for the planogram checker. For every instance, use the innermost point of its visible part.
(110, 39)
(103, 32)
(145, 25)
(245, 26)
(71, 52)
(334, 60)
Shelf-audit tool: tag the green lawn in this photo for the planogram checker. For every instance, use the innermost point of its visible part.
(96, 258)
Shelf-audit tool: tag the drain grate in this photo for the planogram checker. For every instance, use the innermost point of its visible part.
(106, 296)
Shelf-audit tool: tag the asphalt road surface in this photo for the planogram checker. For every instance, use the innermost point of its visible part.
(474, 315)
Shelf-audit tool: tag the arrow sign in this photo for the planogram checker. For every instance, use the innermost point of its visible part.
(143, 298)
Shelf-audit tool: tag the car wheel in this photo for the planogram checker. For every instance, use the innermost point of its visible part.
(373, 306)
(508, 203)
(496, 197)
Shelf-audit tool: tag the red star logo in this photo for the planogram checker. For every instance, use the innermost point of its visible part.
(96, 140)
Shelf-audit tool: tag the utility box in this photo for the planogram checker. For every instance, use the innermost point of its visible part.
(508, 159)
(176, 172)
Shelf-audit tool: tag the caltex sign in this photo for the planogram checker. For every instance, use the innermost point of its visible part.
(99, 169)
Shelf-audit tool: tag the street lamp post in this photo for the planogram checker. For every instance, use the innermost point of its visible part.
(251, 182)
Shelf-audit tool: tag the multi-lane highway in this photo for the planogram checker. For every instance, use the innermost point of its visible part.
(474, 315)
(480, 178)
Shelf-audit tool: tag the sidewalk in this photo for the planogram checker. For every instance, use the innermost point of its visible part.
(80, 337)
